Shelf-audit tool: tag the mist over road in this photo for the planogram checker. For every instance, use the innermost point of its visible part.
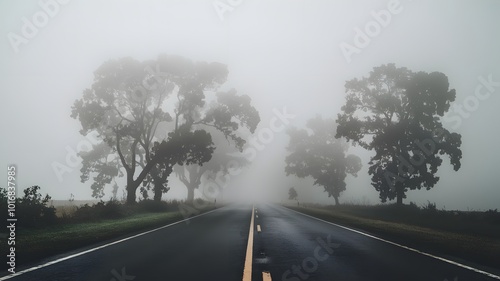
(286, 244)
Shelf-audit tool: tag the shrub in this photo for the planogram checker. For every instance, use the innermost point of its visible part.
(151, 206)
(413, 206)
(3, 203)
(492, 215)
(102, 210)
(145, 206)
(32, 209)
(430, 207)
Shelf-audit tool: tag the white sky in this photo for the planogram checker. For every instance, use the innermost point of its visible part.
(281, 53)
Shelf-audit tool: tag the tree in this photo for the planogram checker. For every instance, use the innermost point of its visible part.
(223, 118)
(292, 194)
(397, 113)
(224, 158)
(99, 163)
(127, 102)
(320, 155)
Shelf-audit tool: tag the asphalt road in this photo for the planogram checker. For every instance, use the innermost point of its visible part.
(295, 247)
(288, 245)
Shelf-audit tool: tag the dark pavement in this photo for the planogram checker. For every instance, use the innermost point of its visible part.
(209, 247)
(295, 247)
(290, 246)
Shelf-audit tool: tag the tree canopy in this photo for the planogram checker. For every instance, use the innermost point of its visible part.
(397, 113)
(315, 152)
(225, 157)
(129, 99)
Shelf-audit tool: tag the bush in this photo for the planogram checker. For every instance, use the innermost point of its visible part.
(32, 209)
(3, 204)
(146, 206)
(430, 207)
(102, 210)
(492, 216)
(413, 206)
(151, 206)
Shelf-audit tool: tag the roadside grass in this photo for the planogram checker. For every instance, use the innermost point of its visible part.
(65, 211)
(477, 223)
(37, 243)
(66, 208)
(462, 239)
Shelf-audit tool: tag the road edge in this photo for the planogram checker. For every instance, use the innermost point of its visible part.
(488, 274)
(58, 260)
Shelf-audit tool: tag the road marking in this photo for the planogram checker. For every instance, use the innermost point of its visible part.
(256, 216)
(247, 270)
(406, 247)
(258, 228)
(98, 248)
(266, 276)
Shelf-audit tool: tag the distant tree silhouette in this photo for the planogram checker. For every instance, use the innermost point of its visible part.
(292, 194)
(397, 113)
(129, 99)
(321, 156)
(215, 171)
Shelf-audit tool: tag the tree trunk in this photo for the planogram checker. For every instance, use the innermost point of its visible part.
(158, 193)
(399, 201)
(190, 196)
(400, 194)
(158, 188)
(131, 193)
(336, 200)
(158, 182)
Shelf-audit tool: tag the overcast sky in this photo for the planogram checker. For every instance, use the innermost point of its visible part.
(283, 54)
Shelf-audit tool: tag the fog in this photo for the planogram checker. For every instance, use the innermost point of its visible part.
(286, 55)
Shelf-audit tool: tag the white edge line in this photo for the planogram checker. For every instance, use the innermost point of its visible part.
(406, 247)
(97, 248)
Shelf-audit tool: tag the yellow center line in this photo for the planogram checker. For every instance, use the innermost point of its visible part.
(266, 276)
(247, 270)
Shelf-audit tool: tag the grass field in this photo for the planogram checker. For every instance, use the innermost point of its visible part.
(67, 208)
